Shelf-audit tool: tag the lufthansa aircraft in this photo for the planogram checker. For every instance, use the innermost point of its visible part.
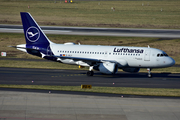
(106, 59)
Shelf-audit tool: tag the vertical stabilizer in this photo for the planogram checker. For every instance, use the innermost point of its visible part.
(37, 42)
(33, 33)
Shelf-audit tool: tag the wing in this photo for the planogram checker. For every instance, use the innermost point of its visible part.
(87, 60)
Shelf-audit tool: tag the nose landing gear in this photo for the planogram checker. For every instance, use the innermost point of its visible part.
(149, 72)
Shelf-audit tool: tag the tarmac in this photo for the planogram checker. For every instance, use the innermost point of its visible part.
(25, 104)
(128, 32)
(36, 105)
(25, 76)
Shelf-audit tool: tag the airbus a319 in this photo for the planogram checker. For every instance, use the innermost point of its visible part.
(105, 59)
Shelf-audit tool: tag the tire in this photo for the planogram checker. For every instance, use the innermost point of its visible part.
(90, 73)
(149, 75)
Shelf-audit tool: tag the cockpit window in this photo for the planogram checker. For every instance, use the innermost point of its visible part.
(161, 55)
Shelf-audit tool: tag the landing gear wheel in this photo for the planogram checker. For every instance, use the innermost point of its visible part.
(90, 73)
(149, 75)
(149, 72)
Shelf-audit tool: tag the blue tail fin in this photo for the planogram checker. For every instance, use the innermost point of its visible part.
(37, 42)
(33, 33)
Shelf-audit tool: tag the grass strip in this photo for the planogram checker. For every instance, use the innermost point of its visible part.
(132, 14)
(113, 90)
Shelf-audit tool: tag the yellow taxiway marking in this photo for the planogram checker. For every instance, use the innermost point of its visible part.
(69, 75)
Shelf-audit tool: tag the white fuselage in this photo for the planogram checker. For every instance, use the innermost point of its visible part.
(123, 55)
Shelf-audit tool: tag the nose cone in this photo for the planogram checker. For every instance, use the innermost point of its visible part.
(170, 62)
(173, 62)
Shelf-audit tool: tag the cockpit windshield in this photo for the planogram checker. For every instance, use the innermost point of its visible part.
(162, 54)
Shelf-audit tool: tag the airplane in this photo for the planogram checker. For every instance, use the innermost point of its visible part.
(105, 59)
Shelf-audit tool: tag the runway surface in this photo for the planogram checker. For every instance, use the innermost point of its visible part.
(24, 104)
(20, 104)
(23, 76)
(159, 33)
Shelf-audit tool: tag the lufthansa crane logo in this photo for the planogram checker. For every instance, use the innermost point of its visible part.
(32, 34)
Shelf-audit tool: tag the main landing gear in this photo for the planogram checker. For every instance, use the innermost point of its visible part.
(149, 72)
(90, 72)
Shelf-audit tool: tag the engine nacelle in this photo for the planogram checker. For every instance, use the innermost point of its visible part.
(107, 68)
(132, 70)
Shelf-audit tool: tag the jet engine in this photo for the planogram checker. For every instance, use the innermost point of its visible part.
(107, 68)
(132, 70)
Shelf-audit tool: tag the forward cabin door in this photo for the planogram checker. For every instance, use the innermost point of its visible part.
(147, 55)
